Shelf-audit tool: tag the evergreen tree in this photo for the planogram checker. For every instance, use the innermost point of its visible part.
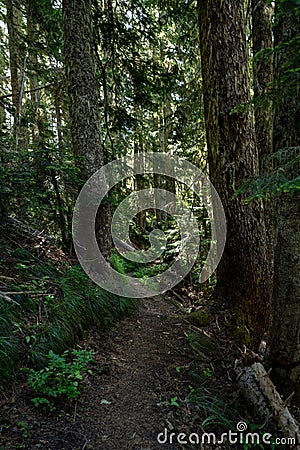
(83, 92)
(284, 352)
(242, 276)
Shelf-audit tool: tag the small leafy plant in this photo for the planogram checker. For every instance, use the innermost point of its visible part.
(207, 372)
(174, 402)
(23, 428)
(60, 378)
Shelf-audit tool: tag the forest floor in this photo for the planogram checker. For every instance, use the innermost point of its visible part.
(144, 378)
(162, 371)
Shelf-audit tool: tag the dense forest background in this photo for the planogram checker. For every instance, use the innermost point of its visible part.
(83, 82)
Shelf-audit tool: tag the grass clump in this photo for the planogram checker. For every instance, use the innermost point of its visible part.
(82, 306)
(212, 404)
(54, 309)
(9, 350)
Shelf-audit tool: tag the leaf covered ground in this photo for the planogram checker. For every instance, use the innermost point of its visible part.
(164, 370)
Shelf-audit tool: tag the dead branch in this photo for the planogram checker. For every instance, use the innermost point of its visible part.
(35, 293)
(9, 300)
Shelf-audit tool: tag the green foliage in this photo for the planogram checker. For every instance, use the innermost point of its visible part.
(60, 378)
(283, 177)
(9, 346)
(60, 308)
(32, 181)
(23, 428)
(200, 343)
(142, 79)
(83, 305)
(170, 248)
(199, 318)
(216, 411)
(174, 402)
(9, 350)
(150, 271)
(207, 372)
(257, 429)
(49, 20)
(121, 264)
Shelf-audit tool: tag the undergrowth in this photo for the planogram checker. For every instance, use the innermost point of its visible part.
(47, 308)
(60, 378)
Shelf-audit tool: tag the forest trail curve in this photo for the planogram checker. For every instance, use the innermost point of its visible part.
(128, 407)
(139, 385)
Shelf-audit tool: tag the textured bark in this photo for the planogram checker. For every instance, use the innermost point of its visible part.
(17, 64)
(262, 78)
(286, 421)
(251, 393)
(82, 84)
(162, 181)
(263, 399)
(284, 351)
(242, 275)
(83, 92)
(32, 35)
(263, 75)
(14, 57)
(139, 182)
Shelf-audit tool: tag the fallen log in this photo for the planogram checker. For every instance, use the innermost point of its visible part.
(263, 399)
(250, 390)
(281, 412)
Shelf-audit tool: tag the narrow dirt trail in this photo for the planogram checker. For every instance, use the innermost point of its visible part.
(128, 407)
(139, 367)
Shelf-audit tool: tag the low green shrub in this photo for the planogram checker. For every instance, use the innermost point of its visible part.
(60, 378)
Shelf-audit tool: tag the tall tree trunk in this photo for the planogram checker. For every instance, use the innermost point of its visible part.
(32, 36)
(139, 182)
(262, 14)
(14, 56)
(162, 181)
(83, 91)
(232, 154)
(17, 64)
(4, 197)
(284, 351)
(263, 76)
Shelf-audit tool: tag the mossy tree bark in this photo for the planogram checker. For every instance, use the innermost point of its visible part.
(262, 76)
(83, 92)
(284, 350)
(262, 14)
(242, 275)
